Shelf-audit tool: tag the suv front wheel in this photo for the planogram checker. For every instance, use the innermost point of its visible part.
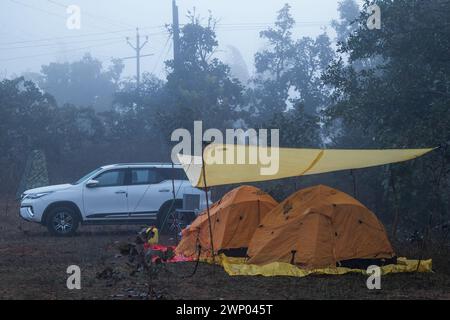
(62, 222)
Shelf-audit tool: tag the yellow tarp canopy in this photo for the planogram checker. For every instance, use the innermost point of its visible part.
(228, 164)
(239, 267)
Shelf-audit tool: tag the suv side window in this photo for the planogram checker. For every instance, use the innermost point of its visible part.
(169, 174)
(111, 178)
(144, 176)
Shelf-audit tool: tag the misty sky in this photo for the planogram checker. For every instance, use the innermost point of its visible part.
(34, 32)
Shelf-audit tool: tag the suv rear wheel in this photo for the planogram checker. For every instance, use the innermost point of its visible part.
(62, 222)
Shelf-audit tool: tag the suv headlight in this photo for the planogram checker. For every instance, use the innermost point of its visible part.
(36, 195)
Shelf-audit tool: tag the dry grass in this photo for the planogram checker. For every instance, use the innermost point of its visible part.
(33, 266)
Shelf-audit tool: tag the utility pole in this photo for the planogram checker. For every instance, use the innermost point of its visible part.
(176, 34)
(138, 47)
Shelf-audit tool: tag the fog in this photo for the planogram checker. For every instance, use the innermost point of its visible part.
(33, 33)
(355, 92)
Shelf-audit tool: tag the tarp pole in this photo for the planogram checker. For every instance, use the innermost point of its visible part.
(392, 181)
(355, 190)
(207, 207)
(173, 203)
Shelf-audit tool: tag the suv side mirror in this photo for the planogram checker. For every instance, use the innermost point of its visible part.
(92, 183)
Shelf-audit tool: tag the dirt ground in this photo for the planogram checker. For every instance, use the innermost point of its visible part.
(33, 266)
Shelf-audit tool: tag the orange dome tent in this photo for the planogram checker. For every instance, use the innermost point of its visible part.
(234, 219)
(321, 227)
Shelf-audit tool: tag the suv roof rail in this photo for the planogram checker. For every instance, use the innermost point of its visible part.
(144, 164)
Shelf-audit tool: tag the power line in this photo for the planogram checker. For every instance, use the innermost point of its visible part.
(268, 23)
(228, 27)
(161, 53)
(48, 12)
(38, 9)
(65, 17)
(134, 57)
(41, 42)
(168, 51)
(261, 27)
(64, 38)
(51, 45)
(45, 11)
(54, 45)
(53, 53)
(79, 36)
(86, 13)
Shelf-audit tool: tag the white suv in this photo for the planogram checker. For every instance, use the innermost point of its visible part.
(113, 194)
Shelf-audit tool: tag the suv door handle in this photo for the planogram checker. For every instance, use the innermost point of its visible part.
(164, 190)
(121, 192)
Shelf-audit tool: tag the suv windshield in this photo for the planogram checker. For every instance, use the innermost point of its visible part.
(87, 176)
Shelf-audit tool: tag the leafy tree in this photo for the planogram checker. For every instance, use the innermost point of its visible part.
(347, 23)
(401, 101)
(83, 83)
(25, 112)
(32, 120)
(292, 124)
(271, 86)
(312, 57)
(199, 87)
(131, 124)
(289, 71)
